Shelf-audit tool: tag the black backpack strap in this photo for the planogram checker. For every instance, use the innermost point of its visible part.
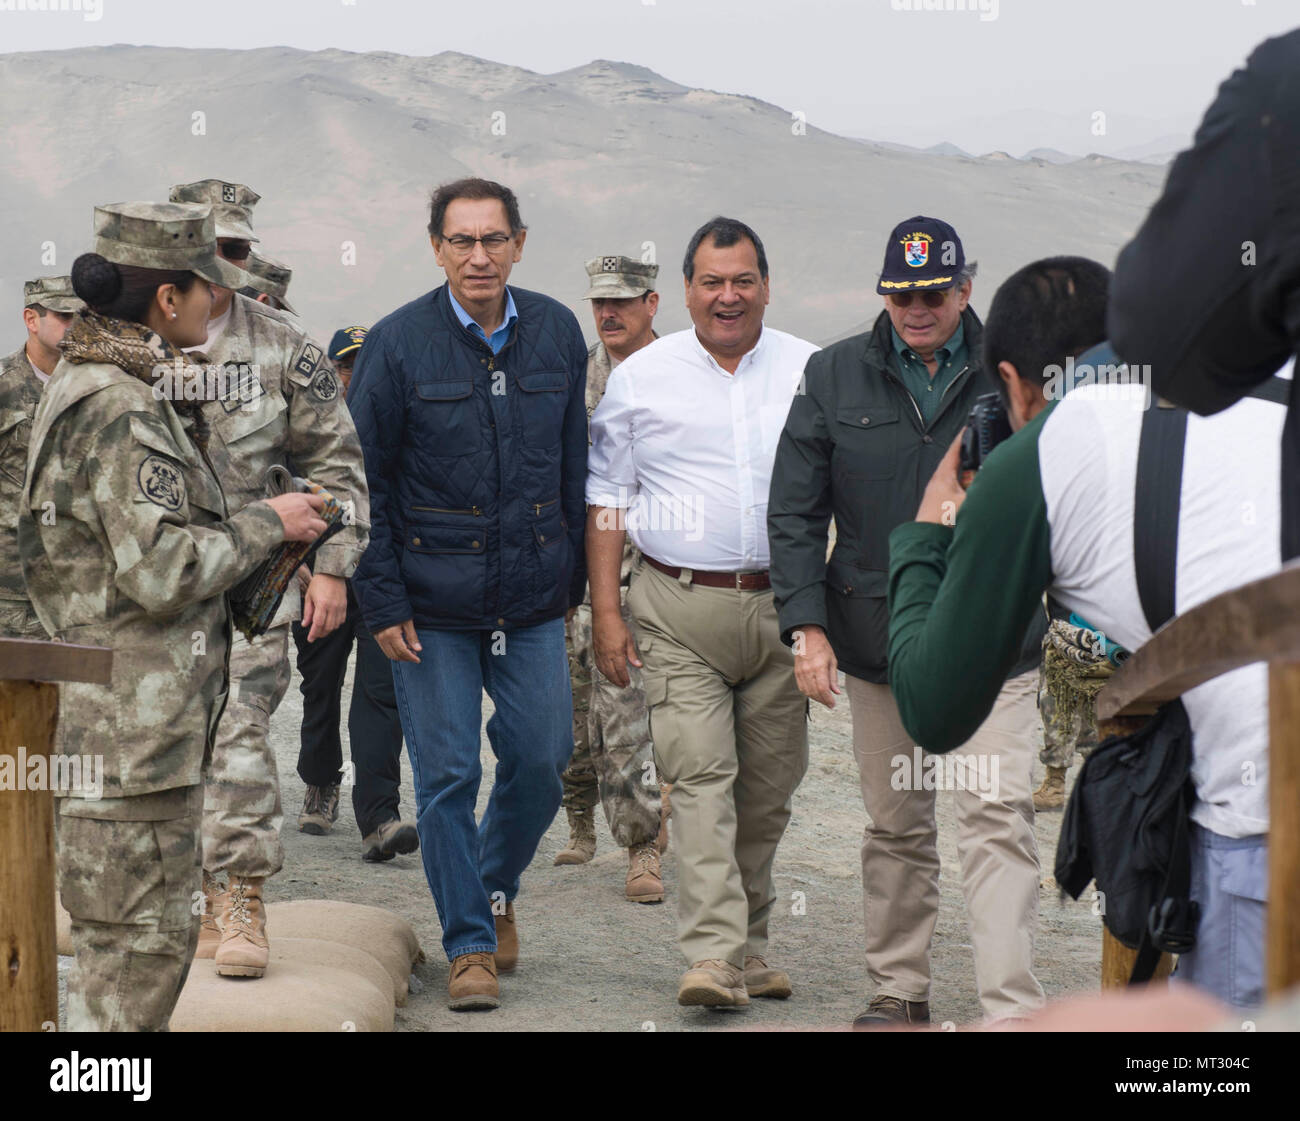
(1274, 389)
(1157, 499)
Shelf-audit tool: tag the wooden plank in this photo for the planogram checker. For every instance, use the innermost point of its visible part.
(1258, 622)
(29, 982)
(1117, 963)
(26, 659)
(1282, 955)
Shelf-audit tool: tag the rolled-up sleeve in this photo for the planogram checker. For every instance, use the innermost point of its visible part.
(611, 463)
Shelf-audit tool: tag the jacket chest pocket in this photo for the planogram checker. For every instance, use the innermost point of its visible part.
(447, 418)
(15, 432)
(541, 407)
(866, 442)
(259, 419)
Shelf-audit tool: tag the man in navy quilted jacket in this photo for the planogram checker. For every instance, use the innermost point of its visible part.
(469, 402)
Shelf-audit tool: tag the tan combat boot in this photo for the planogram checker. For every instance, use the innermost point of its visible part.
(1051, 795)
(582, 838)
(472, 984)
(244, 949)
(214, 900)
(665, 812)
(645, 882)
(713, 984)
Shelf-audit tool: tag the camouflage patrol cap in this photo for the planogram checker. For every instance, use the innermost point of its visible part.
(619, 278)
(232, 204)
(164, 235)
(271, 277)
(52, 292)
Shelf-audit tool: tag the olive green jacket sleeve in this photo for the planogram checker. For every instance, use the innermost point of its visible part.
(961, 598)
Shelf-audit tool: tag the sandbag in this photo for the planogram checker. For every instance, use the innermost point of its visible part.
(311, 985)
(386, 936)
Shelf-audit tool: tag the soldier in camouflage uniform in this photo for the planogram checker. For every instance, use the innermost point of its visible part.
(126, 543)
(284, 406)
(612, 755)
(1077, 663)
(268, 283)
(48, 304)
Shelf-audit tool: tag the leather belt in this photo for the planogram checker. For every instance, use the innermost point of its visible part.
(740, 581)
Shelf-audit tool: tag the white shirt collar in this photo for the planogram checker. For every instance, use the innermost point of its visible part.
(749, 355)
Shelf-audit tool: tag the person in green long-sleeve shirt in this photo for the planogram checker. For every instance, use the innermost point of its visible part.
(1053, 510)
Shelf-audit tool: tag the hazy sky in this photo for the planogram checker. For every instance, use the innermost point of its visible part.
(1009, 74)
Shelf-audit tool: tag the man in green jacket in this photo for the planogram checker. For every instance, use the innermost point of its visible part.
(876, 413)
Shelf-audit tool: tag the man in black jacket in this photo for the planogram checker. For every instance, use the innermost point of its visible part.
(876, 414)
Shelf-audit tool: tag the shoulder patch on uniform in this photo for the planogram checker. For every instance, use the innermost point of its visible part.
(161, 482)
(325, 386)
(308, 359)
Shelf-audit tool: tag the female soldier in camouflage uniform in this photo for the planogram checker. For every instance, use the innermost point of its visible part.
(125, 543)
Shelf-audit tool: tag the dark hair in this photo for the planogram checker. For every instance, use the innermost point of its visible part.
(725, 232)
(1048, 311)
(472, 188)
(122, 291)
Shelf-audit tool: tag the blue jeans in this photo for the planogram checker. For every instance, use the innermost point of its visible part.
(473, 868)
(1230, 881)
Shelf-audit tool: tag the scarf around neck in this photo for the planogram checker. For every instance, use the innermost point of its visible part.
(137, 350)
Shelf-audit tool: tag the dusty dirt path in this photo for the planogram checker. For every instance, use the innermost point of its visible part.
(592, 961)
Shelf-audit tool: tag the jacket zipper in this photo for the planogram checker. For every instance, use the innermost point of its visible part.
(447, 510)
(538, 507)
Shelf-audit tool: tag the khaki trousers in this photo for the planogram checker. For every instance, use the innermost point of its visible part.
(730, 732)
(995, 841)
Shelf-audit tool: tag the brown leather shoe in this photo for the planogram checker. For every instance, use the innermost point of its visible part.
(892, 1010)
(761, 980)
(645, 882)
(713, 983)
(472, 984)
(507, 955)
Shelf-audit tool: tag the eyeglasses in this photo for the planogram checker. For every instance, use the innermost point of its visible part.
(233, 250)
(463, 244)
(931, 299)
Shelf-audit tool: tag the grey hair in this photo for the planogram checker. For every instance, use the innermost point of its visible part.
(968, 271)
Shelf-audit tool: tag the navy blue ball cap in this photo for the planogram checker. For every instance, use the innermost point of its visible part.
(922, 253)
(346, 340)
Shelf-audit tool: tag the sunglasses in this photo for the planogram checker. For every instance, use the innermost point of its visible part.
(233, 250)
(931, 299)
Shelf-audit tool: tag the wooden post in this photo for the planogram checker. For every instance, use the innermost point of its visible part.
(1257, 622)
(28, 716)
(1282, 958)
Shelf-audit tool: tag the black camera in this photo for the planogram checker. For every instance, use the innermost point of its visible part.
(986, 427)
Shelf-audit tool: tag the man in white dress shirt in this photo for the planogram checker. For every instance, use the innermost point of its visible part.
(681, 456)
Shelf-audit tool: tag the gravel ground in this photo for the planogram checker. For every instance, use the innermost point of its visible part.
(590, 960)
